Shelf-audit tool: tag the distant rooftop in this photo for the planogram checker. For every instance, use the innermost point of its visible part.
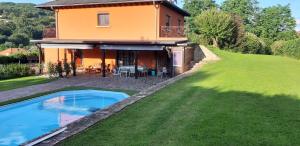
(75, 3)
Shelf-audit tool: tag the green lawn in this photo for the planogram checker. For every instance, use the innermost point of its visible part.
(22, 82)
(240, 100)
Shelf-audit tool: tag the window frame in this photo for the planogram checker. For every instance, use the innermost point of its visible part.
(98, 19)
(168, 21)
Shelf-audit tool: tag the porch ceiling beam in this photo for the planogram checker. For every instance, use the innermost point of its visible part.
(132, 47)
(68, 46)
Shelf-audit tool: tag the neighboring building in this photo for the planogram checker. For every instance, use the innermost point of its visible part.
(118, 33)
(11, 51)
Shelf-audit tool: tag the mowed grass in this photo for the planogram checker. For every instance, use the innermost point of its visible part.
(240, 100)
(22, 82)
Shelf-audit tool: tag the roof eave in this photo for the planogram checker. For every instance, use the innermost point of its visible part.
(166, 3)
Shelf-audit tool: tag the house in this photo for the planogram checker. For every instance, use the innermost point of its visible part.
(11, 51)
(114, 33)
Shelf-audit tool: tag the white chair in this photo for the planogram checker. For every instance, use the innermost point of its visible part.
(123, 70)
(163, 72)
(131, 71)
(116, 72)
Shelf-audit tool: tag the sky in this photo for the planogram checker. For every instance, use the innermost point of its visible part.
(295, 5)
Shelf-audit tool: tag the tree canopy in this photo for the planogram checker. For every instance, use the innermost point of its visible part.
(246, 9)
(216, 25)
(274, 22)
(196, 7)
(21, 22)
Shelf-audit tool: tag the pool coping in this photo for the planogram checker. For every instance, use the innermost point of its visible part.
(98, 116)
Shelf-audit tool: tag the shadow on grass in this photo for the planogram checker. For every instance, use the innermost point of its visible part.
(182, 114)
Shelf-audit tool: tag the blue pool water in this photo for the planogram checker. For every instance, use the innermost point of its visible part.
(24, 121)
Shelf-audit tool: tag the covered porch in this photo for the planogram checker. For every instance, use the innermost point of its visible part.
(127, 59)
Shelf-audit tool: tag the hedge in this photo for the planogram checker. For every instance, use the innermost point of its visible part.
(15, 70)
(17, 58)
(289, 48)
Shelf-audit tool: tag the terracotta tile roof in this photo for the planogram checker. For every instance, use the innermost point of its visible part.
(73, 3)
(11, 51)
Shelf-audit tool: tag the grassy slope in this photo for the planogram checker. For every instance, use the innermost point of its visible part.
(241, 100)
(22, 82)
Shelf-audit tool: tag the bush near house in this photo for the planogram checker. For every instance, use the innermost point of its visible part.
(289, 48)
(15, 70)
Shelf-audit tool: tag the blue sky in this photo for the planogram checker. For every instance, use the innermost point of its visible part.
(295, 5)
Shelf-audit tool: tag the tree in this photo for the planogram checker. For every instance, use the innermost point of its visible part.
(274, 21)
(2, 39)
(247, 9)
(196, 7)
(7, 28)
(215, 25)
(19, 39)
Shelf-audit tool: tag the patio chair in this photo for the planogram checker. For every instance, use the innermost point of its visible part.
(163, 72)
(131, 71)
(116, 72)
(123, 71)
(144, 71)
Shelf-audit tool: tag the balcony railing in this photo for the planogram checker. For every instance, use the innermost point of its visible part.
(172, 31)
(49, 33)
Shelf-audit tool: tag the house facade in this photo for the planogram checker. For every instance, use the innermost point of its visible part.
(114, 33)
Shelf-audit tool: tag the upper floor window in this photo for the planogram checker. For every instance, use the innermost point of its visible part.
(103, 19)
(168, 20)
(179, 22)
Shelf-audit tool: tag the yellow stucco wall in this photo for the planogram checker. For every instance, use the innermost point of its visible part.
(131, 22)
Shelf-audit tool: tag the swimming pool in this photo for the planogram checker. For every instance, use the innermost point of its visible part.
(27, 120)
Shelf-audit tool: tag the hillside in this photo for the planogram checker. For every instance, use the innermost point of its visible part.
(240, 100)
(21, 22)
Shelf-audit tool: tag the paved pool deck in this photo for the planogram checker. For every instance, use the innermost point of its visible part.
(84, 80)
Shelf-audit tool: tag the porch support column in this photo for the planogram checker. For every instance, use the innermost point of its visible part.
(65, 55)
(156, 62)
(73, 63)
(171, 62)
(40, 58)
(57, 55)
(136, 64)
(103, 62)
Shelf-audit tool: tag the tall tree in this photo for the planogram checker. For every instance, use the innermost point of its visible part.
(275, 21)
(196, 7)
(215, 25)
(247, 9)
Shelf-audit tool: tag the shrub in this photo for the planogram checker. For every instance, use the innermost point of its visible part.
(59, 69)
(14, 70)
(289, 48)
(251, 44)
(51, 69)
(67, 68)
